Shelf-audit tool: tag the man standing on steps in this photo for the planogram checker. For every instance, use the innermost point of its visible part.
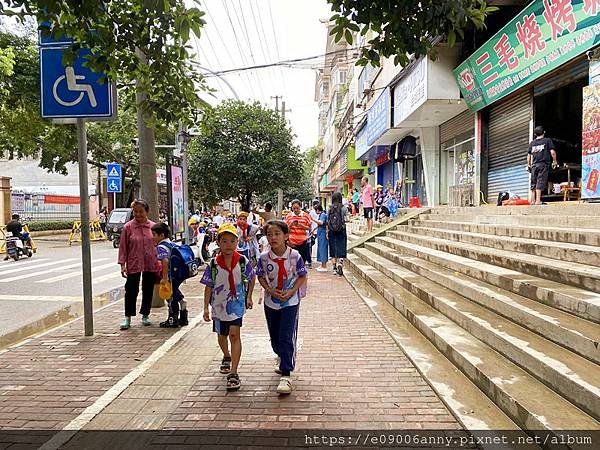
(540, 155)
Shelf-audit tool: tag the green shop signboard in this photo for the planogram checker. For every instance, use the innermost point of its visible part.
(545, 35)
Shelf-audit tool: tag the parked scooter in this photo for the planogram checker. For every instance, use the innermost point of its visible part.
(16, 247)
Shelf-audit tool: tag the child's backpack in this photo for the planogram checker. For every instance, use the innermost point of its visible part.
(335, 219)
(214, 269)
(182, 262)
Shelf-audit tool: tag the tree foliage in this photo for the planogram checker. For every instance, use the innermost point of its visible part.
(245, 150)
(23, 133)
(405, 27)
(118, 33)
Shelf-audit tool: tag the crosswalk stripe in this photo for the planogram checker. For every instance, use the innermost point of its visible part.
(56, 298)
(24, 262)
(107, 277)
(33, 266)
(43, 272)
(75, 274)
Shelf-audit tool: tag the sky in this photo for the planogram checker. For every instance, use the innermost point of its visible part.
(242, 33)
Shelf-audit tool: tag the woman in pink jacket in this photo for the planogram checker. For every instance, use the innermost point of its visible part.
(137, 257)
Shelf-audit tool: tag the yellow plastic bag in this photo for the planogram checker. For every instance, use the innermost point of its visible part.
(165, 290)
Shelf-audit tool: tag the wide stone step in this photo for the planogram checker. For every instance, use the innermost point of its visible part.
(580, 302)
(572, 332)
(559, 208)
(570, 375)
(527, 401)
(564, 272)
(554, 234)
(587, 222)
(555, 250)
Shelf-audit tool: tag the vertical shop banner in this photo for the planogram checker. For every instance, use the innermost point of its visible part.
(378, 117)
(590, 148)
(545, 35)
(178, 219)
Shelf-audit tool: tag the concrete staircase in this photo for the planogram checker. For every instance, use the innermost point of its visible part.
(510, 296)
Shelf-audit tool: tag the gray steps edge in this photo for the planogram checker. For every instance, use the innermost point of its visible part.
(580, 302)
(472, 408)
(572, 332)
(568, 374)
(558, 208)
(565, 273)
(566, 235)
(529, 411)
(566, 221)
(553, 250)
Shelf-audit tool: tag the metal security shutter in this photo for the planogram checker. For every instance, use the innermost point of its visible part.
(565, 76)
(458, 125)
(508, 142)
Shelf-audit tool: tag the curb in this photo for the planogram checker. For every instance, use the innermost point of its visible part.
(66, 314)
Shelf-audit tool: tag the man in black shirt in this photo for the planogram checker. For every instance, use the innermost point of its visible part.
(540, 155)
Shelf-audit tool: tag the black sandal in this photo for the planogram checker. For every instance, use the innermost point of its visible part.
(225, 365)
(233, 382)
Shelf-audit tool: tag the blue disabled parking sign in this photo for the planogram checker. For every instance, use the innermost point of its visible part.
(72, 91)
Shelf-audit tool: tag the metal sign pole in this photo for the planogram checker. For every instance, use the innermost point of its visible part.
(86, 251)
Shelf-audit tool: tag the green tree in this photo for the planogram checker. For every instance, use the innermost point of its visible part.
(117, 33)
(245, 150)
(405, 27)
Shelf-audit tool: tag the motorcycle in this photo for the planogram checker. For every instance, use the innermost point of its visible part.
(15, 248)
(115, 223)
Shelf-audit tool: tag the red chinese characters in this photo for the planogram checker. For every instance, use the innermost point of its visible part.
(591, 7)
(530, 36)
(559, 14)
(506, 54)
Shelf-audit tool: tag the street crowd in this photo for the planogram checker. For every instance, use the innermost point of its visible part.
(248, 247)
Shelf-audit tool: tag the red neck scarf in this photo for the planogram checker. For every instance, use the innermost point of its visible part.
(281, 272)
(235, 259)
(244, 228)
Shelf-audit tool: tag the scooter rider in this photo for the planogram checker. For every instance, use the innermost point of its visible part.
(16, 228)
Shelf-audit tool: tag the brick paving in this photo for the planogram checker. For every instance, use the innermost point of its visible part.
(350, 375)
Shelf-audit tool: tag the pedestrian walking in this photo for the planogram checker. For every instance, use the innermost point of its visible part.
(137, 257)
(102, 218)
(336, 232)
(368, 202)
(248, 240)
(540, 156)
(299, 223)
(282, 274)
(178, 314)
(229, 282)
(356, 200)
(322, 243)
(312, 239)
(268, 213)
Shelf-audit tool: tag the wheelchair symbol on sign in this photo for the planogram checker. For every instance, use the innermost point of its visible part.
(113, 186)
(72, 85)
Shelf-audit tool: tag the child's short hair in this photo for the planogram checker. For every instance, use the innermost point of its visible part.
(162, 229)
(296, 202)
(277, 223)
(318, 208)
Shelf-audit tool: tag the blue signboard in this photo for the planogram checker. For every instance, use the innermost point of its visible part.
(113, 178)
(378, 117)
(361, 142)
(72, 91)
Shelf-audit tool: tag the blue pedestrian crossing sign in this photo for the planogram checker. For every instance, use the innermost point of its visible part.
(113, 178)
(72, 91)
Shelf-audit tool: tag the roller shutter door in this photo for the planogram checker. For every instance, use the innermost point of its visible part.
(507, 149)
(458, 125)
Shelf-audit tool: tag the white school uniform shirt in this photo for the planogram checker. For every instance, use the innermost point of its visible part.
(268, 267)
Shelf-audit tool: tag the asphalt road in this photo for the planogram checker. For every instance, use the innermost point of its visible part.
(34, 288)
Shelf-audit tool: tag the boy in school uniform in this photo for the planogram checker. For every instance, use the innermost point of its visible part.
(282, 274)
(178, 314)
(229, 282)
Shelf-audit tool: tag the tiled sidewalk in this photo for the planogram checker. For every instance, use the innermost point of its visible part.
(350, 375)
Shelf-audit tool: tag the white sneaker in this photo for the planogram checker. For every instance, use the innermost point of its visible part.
(321, 269)
(277, 365)
(285, 386)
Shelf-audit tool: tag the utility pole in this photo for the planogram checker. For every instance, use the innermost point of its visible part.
(149, 190)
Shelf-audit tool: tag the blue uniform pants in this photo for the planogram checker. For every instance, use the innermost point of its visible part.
(283, 330)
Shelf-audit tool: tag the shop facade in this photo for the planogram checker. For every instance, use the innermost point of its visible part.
(532, 72)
